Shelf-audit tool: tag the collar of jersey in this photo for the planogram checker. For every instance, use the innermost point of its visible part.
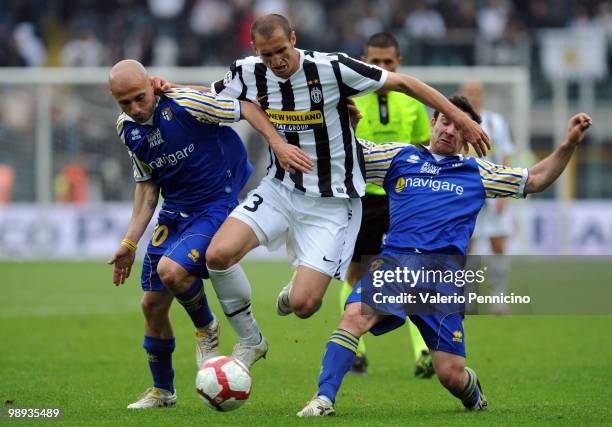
(439, 157)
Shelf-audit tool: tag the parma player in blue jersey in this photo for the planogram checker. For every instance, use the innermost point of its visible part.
(178, 148)
(435, 195)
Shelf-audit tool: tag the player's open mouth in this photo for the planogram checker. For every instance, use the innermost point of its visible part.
(280, 68)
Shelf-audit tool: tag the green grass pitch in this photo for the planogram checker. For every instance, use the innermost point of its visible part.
(70, 339)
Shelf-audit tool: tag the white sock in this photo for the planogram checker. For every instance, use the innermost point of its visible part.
(234, 292)
(499, 267)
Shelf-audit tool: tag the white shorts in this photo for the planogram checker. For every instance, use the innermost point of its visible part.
(491, 224)
(320, 233)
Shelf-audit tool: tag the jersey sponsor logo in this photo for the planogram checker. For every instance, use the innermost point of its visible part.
(457, 336)
(413, 158)
(172, 158)
(434, 184)
(430, 169)
(155, 138)
(400, 184)
(167, 114)
(135, 134)
(316, 95)
(295, 121)
(194, 255)
(327, 260)
(456, 165)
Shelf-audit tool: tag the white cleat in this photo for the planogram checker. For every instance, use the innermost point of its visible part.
(249, 354)
(154, 398)
(317, 407)
(207, 343)
(283, 306)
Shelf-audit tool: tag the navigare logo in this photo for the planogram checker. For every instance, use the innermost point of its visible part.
(172, 158)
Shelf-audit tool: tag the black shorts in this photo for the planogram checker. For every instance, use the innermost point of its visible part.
(374, 224)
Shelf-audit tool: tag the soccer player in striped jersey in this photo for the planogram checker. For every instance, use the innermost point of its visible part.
(317, 214)
(178, 148)
(440, 192)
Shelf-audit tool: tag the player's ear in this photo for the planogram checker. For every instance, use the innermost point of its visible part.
(254, 48)
(400, 59)
(292, 38)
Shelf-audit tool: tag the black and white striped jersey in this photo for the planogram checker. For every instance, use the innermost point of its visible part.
(309, 109)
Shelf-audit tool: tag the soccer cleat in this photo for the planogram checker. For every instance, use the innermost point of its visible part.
(283, 306)
(360, 365)
(317, 407)
(249, 354)
(154, 398)
(207, 343)
(424, 366)
(482, 403)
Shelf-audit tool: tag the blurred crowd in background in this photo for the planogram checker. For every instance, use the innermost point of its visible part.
(88, 162)
(213, 32)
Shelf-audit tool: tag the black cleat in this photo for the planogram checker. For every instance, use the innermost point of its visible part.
(424, 366)
(360, 365)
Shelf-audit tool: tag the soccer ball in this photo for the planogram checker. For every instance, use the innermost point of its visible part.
(223, 383)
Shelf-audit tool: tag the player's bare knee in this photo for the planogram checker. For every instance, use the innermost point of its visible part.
(219, 257)
(450, 374)
(171, 275)
(306, 307)
(153, 308)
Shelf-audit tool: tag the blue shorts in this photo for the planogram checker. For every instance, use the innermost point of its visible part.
(441, 327)
(184, 239)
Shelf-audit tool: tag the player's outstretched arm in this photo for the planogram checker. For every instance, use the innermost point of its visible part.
(146, 196)
(545, 172)
(290, 157)
(415, 88)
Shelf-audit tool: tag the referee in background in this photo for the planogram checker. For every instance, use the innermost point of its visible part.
(386, 117)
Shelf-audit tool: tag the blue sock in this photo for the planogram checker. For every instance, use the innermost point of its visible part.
(159, 352)
(470, 395)
(195, 303)
(338, 359)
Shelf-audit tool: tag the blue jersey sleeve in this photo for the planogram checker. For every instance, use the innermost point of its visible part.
(378, 159)
(142, 172)
(502, 181)
(206, 107)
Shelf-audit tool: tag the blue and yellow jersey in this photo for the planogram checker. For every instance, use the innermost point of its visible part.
(185, 151)
(391, 117)
(434, 200)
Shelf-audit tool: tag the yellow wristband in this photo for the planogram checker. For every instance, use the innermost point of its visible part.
(127, 243)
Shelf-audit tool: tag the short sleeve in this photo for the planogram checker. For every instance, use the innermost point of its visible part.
(206, 107)
(502, 181)
(231, 85)
(360, 78)
(142, 172)
(378, 159)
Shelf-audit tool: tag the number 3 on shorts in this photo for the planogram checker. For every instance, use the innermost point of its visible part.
(258, 201)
